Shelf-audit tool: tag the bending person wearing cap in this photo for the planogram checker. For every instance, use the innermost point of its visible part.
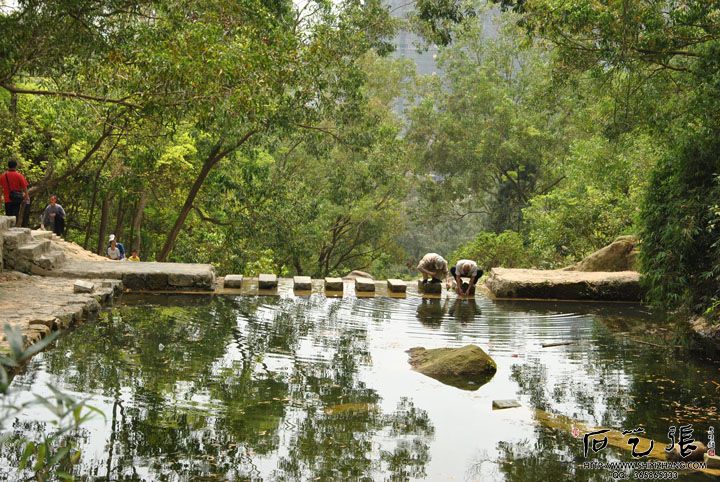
(468, 269)
(115, 251)
(433, 266)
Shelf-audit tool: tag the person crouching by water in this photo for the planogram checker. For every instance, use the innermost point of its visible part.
(466, 268)
(115, 251)
(433, 266)
(134, 256)
(54, 217)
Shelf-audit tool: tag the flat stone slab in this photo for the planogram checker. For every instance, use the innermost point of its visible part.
(267, 281)
(233, 281)
(503, 404)
(333, 284)
(302, 283)
(397, 285)
(81, 286)
(364, 284)
(565, 285)
(430, 288)
(143, 276)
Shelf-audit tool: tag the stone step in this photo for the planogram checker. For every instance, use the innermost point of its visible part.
(429, 288)
(302, 283)
(267, 281)
(16, 237)
(233, 281)
(34, 250)
(333, 284)
(364, 284)
(40, 234)
(50, 260)
(397, 286)
(7, 222)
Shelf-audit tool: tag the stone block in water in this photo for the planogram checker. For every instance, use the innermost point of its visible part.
(397, 285)
(503, 404)
(302, 283)
(267, 281)
(364, 284)
(333, 284)
(431, 288)
(233, 281)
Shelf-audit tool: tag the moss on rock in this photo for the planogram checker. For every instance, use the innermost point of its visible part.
(468, 367)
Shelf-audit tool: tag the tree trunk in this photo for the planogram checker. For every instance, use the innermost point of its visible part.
(137, 220)
(120, 220)
(216, 154)
(103, 225)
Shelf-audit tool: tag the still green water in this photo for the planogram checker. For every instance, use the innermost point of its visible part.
(315, 388)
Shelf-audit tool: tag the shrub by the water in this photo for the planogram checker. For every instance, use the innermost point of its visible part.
(681, 226)
(489, 249)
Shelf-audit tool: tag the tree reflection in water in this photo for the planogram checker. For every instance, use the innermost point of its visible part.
(227, 389)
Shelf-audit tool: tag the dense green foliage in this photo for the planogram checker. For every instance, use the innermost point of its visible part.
(276, 136)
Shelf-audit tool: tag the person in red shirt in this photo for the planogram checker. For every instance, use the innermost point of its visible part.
(15, 189)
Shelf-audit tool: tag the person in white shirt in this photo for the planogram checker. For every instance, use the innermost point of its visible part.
(466, 268)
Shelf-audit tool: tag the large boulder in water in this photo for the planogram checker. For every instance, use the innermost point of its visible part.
(620, 255)
(468, 367)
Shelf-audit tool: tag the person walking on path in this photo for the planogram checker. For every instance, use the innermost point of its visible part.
(54, 217)
(15, 190)
(115, 251)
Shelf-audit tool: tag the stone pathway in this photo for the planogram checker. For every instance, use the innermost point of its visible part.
(142, 276)
(38, 305)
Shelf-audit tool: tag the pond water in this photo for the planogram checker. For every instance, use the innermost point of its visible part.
(316, 388)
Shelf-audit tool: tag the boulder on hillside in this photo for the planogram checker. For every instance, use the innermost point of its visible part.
(468, 367)
(620, 255)
(355, 274)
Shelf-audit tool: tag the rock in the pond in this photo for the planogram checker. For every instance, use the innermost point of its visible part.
(364, 284)
(302, 283)
(267, 281)
(503, 404)
(233, 281)
(429, 287)
(355, 274)
(706, 332)
(333, 284)
(467, 368)
(82, 286)
(396, 285)
(696, 455)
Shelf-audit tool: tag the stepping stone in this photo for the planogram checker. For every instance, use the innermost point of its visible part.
(302, 283)
(397, 285)
(333, 284)
(431, 288)
(267, 281)
(364, 284)
(503, 404)
(81, 286)
(233, 281)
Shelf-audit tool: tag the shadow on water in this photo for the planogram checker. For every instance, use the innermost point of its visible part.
(284, 388)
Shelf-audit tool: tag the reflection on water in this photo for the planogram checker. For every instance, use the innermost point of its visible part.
(308, 388)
